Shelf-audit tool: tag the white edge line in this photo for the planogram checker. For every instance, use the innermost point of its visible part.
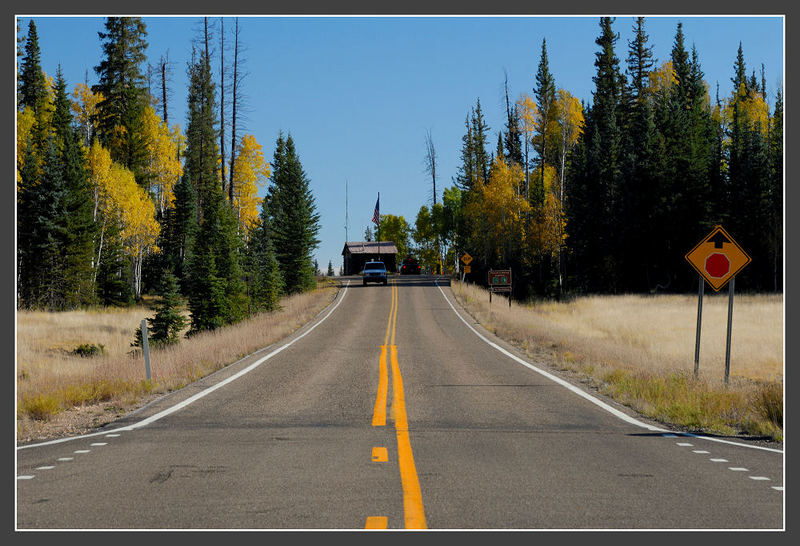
(199, 395)
(625, 417)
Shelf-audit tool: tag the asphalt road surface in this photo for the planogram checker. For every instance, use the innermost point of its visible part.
(390, 410)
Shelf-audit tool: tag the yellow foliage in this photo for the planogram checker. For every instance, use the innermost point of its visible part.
(752, 108)
(163, 162)
(569, 117)
(528, 112)
(118, 197)
(25, 121)
(84, 106)
(251, 172)
(662, 79)
(499, 210)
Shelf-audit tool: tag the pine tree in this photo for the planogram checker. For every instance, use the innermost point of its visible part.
(180, 228)
(330, 272)
(479, 140)
(545, 94)
(775, 193)
(294, 220)
(124, 91)
(215, 284)
(32, 84)
(77, 245)
(513, 141)
(265, 282)
(466, 177)
(46, 225)
(168, 320)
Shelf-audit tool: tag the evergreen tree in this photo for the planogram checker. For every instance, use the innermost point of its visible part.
(512, 141)
(265, 282)
(640, 183)
(46, 223)
(77, 244)
(294, 219)
(466, 177)
(596, 174)
(215, 285)
(124, 91)
(330, 272)
(32, 83)
(180, 228)
(27, 219)
(164, 328)
(168, 320)
(545, 94)
(775, 193)
(479, 139)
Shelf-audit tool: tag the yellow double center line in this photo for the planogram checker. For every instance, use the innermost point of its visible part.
(412, 494)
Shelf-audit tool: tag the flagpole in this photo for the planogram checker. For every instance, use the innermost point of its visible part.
(379, 226)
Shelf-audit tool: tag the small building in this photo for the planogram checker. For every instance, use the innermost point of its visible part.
(357, 253)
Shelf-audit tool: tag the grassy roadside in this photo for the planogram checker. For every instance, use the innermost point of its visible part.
(639, 350)
(61, 392)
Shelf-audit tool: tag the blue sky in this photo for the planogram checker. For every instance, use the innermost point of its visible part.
(359, 94)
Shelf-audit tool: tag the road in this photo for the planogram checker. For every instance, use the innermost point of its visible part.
(390, 410)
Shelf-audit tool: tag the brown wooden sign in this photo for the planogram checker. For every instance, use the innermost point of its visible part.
(500, 280)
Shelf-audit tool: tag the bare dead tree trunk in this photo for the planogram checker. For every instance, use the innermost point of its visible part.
(430, 167)
(222, 102)
(163, 66)
(235, 99)
(430, 161)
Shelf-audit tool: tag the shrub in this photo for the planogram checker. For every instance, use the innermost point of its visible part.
(40, 407)
(87, 350)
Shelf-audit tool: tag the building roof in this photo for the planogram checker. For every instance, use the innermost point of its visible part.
(369, 247)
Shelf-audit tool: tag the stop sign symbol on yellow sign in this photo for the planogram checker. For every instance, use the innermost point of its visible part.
(718, 258)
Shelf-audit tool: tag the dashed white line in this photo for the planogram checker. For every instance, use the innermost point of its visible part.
(99, 444)
(25, 477)
(718, 460)
(48, 467)
(65, 459)
(738, 469)
(685, 444)
(700, 451)
(760, 478)
(82, 451)
(112, 435)
(204, 392)
(585, 395)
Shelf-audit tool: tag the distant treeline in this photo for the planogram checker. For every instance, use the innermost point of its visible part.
(608, 197)
(113, 203)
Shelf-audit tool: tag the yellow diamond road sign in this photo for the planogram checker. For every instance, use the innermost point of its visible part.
(466, 258)
(718, 258)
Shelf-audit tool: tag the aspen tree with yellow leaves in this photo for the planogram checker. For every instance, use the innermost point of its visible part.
(124, 212)
(251, 173)
(162, 167)
(497, 214)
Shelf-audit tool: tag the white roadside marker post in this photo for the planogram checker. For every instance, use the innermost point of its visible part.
(146, 349)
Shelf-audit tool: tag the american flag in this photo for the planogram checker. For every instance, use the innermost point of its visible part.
(376, 217)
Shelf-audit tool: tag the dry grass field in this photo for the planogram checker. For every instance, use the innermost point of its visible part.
(640, 350)
(61, 392)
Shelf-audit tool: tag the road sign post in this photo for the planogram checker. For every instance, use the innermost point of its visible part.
(699, 322)
(466, 258)
(718, 259)
(145, 350)
(730, 323)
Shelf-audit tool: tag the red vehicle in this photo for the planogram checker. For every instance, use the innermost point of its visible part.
(410, 266)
